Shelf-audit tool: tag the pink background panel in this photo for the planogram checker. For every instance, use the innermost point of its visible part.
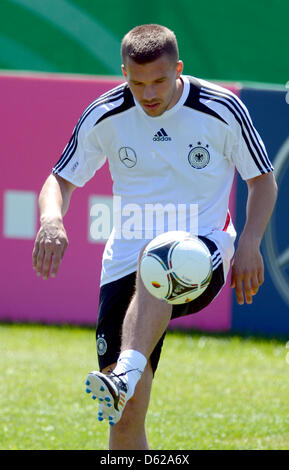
(37, 119)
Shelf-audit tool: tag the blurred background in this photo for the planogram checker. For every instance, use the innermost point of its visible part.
(56, 56)
(228, 40)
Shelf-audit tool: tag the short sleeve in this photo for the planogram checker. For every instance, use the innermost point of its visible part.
(248, 152)
(83, 155)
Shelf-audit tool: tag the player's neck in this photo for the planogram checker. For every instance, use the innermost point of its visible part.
(178, 93)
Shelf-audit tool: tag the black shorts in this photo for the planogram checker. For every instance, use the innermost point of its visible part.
(114, 300)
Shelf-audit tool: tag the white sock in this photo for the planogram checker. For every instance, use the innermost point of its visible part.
(133, 363)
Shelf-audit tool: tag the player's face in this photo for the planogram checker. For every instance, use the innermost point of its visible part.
(155, 85)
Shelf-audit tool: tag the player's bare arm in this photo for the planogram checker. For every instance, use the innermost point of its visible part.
(51, 239)
(248, 267)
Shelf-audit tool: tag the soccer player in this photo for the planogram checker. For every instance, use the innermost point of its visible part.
(170, 139)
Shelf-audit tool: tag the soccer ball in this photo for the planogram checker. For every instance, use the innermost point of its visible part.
(176, 266)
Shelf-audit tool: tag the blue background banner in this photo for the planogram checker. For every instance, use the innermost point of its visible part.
(269, 313)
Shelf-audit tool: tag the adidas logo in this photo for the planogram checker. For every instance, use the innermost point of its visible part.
(161, 135)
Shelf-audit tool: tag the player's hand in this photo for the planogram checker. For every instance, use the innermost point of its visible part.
(49, 247)
(247, 272)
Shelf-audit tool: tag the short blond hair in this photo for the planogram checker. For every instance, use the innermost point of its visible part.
(148, 42)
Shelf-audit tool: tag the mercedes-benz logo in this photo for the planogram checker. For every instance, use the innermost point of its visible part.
(276, 245)
(127, 156)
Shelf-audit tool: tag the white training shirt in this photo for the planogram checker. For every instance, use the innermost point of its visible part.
(162, 167)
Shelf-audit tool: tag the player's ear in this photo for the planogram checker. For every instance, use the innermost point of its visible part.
(124, 72)
(180, 68)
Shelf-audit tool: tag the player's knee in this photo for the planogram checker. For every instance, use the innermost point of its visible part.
(135, 411)
(133, 417)
(140, 254)
(129, 431)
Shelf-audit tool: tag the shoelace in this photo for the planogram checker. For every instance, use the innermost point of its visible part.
(122, 373)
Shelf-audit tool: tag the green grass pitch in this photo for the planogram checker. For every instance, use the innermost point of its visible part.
(210, 392)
